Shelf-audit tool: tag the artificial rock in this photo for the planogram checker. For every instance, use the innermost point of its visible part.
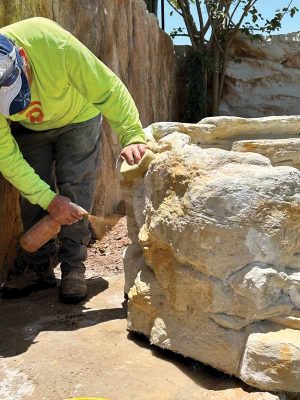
(279, 151)
(223, 131)
(268, 70)
(214, 270)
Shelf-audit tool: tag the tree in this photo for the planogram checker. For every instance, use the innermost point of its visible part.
(212, 30)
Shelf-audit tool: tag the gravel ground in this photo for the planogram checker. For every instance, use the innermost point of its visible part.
(105, 255)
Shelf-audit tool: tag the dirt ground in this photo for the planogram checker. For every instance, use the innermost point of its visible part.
(51, 351)
(105, 256)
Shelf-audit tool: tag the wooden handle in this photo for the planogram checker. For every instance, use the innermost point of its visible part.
(39, 234)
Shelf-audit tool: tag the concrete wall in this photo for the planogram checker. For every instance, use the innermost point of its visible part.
(128, 39)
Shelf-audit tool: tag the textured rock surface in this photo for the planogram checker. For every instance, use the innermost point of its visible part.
(221, 132)
(280, 151)
(10, 226)
(214, 265)
(272, 356)
(128, 39)
(269, 70)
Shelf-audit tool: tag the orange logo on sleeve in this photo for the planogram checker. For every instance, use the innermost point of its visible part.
(34, 112)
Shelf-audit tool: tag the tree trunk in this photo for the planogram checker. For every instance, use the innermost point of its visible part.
(215, 80)
(205, 90)
(223, 71)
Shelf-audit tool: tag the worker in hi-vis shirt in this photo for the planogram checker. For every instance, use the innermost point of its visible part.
(53, 91)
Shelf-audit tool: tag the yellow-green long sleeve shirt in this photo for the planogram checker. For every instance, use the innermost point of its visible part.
(70, 85)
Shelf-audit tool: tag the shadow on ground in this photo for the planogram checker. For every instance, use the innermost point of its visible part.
(21, 320)
(203, 375)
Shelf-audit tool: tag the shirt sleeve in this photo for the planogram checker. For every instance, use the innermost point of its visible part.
(101, 87)
(18, 172)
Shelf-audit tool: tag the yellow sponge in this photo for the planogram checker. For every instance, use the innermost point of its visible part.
(87, 398)
(132, 172)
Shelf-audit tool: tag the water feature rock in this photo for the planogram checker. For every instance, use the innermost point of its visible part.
(216, 239)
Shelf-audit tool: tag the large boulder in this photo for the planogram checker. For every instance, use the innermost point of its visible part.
(213, 272)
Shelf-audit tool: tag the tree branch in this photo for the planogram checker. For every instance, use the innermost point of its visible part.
(201, 24)
(203, 29)
(246, 9)
(235, 8)
(174, 8)
(216, 40)
(228, 17)
(189, 22)
(181, 34)
(206, 27)
(287, 8)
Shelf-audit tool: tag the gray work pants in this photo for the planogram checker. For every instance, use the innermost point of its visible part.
(66, 158)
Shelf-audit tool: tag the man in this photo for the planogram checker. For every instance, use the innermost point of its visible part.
(52, 91)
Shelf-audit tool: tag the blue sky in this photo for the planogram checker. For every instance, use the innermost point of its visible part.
(266, 7)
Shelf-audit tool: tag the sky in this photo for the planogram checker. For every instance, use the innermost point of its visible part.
(266, 7)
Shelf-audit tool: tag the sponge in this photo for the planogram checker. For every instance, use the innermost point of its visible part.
(132, 172)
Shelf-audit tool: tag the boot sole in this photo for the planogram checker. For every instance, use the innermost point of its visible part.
(9, 293)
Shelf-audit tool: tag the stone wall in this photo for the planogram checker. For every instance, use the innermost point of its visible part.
(128, 39)
(213, 271)
(263, 77)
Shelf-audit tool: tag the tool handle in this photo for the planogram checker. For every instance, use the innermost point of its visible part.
(39, 234)
(43, 231)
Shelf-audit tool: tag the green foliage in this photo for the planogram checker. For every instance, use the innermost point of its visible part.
(178, 32)
(223, 14)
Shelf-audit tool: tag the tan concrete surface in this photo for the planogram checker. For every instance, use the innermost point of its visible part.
(52, 351)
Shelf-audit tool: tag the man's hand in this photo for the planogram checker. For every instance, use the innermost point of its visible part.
(64, 211)
(133, 153)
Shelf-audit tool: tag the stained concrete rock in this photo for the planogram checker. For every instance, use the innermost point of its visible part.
(223, 131)
(215, 256)
(272, 356)
(268, 68)
(279, 151)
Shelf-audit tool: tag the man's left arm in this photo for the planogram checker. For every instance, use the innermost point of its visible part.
(101, 87)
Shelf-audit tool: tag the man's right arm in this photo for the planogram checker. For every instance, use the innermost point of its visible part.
(22, 176)
(18, 172)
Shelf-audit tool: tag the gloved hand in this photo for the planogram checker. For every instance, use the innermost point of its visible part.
(133, 153)
(64, 211)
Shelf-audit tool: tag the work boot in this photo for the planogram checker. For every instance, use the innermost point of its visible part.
(24, 281)
(73, 287)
